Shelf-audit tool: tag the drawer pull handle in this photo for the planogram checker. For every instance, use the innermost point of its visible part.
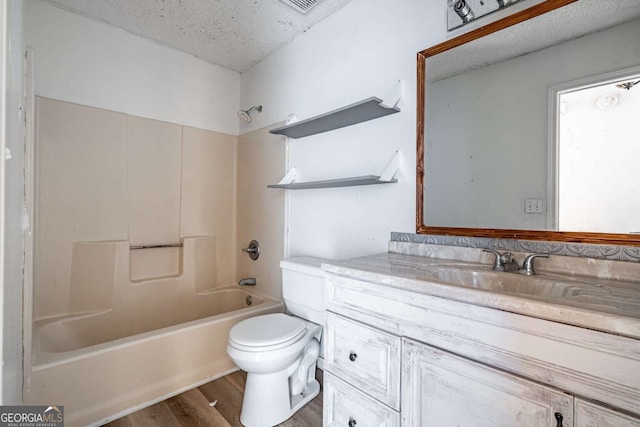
(353, 357)
(559, 418)
(352, 422)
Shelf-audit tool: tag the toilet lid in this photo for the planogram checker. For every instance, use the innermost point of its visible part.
(267, 330)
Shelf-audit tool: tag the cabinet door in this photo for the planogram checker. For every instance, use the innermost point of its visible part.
(591, 415)
(440, 389)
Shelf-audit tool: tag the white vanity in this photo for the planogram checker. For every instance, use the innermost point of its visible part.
(422, 341)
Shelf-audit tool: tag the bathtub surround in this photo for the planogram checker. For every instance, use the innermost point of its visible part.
(101, 279)
(81, 175)
(105, 176)
(154, 181)
(261, 211)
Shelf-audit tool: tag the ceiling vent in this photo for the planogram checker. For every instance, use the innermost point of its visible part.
(302, 6)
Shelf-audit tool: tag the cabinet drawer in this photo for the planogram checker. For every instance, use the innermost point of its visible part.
(367, 358)
(345, 406)
(591, 415)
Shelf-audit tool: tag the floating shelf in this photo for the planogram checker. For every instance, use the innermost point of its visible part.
(333, 183)
(367, 109)
(386, 177)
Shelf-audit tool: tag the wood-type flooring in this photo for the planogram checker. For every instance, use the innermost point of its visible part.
(191, 408)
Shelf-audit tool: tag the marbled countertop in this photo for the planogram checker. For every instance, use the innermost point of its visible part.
(587, 301)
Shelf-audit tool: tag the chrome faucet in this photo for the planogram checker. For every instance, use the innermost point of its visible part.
(249, 281)
(527, 265)
(503, 262)
(506, 262)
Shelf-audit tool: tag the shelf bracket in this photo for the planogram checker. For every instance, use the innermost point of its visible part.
(393, 97)
(391, 169)
(289, 177)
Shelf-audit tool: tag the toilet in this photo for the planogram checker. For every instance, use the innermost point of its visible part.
(279, 351)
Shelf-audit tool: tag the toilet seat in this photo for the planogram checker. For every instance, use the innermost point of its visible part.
(267, 332)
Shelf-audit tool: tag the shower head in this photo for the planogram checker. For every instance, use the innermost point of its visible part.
(245, 115)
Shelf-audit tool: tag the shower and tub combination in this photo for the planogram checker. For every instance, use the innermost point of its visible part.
(135, 268)
(139, 341)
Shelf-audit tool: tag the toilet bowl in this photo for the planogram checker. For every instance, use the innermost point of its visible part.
(279, 351)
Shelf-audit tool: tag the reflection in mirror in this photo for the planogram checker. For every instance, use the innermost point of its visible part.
(598, 150)
(461, 12)
(491, 158)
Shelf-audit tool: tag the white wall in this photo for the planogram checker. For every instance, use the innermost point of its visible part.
(90, 63)
(359, 52)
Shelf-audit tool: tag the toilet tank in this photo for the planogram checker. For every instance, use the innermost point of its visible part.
(303, 288)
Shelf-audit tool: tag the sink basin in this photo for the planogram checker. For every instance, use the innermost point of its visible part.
(594, 294)
(507, 283)
(452, 278)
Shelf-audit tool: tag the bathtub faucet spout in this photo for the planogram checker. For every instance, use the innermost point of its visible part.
(249, 281)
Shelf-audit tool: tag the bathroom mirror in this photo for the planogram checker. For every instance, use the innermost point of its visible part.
(488, 120)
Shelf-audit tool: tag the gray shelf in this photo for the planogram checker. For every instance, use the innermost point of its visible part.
(332, 183)
(367, 109)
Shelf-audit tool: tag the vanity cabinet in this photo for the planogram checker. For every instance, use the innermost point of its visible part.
(461, 364)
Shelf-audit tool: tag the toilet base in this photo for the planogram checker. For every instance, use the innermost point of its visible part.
(297, 402)
(272, 408)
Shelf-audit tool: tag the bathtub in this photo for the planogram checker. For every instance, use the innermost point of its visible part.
(107, 363)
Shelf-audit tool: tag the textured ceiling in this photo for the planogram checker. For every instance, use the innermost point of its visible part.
(235, 34)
